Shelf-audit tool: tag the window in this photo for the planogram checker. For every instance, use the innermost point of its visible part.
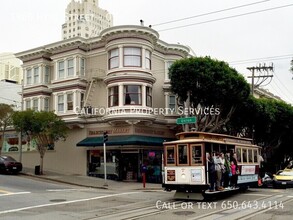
(29, 77)
(170, 152)
(70, 101)
(60, 103)
(147, 59)
(47, 74)
(61, 69)
(255, 156)
(149, 96)
(113, 98)
(35, 104)
(28, 104)
(238, 154)
(196, 154)
(250, 159)
(81, 100)
(169, 63)
(132, 56)
(46, 104)
(244, 155)
(114, 58)
(82, 66)
(36, 75)
(132, 95)
(172, 102)
(182, 154)
(70, 68)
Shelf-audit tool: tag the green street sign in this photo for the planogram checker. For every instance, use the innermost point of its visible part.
(189, 120)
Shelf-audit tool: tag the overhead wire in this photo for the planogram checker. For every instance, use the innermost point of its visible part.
(227, 17)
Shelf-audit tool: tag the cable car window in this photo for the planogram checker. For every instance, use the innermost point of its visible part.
(238, 154)
(182, 154)
(196, 154)
(244, 155)
(250, 156)
(255, 156)
(170, 155)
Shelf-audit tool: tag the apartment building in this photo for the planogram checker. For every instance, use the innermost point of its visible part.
(116, 83)
(85, 19)
(10, 68)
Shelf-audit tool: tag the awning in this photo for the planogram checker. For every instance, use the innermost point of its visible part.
(123, 140)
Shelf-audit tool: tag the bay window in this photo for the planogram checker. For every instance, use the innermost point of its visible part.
(149, 96)
(70, 101)
(60, 100)
(70, 67)
(82, 66)
(46, 104)
(29, 77)
(114, 58)
(113, 98)
(132, 95)
(147, 59)
(132, 56)
(61, 69)
(36, 75)
(47, 74)
(35, 104)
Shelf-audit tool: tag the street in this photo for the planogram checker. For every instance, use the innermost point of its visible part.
(23, 197)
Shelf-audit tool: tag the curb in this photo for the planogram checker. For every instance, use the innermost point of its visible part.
(61, 181)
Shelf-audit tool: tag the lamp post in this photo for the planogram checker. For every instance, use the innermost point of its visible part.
(20, 133)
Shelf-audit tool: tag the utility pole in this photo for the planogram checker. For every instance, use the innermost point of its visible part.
(263, 75)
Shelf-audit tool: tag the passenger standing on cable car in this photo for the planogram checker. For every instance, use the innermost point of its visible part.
(235, 178)
(218, 166)
(211, 172)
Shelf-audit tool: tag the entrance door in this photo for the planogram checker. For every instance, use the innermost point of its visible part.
(129, 166)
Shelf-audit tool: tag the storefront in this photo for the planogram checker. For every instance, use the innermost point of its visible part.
(125, 154)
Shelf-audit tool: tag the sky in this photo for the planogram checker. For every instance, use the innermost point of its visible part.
(243, 33)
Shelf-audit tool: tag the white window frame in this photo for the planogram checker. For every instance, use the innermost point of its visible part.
(35, 106)
(113, 58)
(46, 104)
(132, 94)
(148, 62)
(69, 103)
(61, 70)
(47, 74)
(70, 67)
(132, 56)
(60, 103)
(36, 75)
(29, 76)
(82, 66)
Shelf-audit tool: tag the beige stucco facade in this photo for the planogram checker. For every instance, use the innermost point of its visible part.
(117, 82)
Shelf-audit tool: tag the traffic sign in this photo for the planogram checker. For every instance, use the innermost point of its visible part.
(188, 120)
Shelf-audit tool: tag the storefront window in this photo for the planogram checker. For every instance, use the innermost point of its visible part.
(152, 159)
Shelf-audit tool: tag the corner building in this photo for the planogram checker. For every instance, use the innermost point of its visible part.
(117, 82)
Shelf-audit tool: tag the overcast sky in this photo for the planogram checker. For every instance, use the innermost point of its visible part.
(260, 32)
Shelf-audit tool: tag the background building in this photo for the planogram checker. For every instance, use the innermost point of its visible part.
(85, 19)
(10, 67)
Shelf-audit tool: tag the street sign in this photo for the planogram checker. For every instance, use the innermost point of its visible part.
(189, 120)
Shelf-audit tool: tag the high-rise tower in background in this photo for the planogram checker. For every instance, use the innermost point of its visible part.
(85, 19)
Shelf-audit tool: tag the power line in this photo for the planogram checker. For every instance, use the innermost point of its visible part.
(279, 57)
(209, 13)
(225, 18)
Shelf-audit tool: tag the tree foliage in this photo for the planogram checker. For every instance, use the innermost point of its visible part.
(211, 84)
(44, 127)
(5, 121)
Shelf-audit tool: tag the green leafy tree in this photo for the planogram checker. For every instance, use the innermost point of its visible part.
(215, 88)
(5, 121)
(44, 127)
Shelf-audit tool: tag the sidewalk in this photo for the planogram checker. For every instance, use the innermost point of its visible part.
(93, 182)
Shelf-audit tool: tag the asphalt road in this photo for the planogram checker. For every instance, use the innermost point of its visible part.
(26, 198)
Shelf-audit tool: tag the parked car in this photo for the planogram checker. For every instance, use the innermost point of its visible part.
(283, 178)
(9, 165)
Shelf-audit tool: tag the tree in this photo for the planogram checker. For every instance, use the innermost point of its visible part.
(215, 90)
(5, 120)
(44, 127)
